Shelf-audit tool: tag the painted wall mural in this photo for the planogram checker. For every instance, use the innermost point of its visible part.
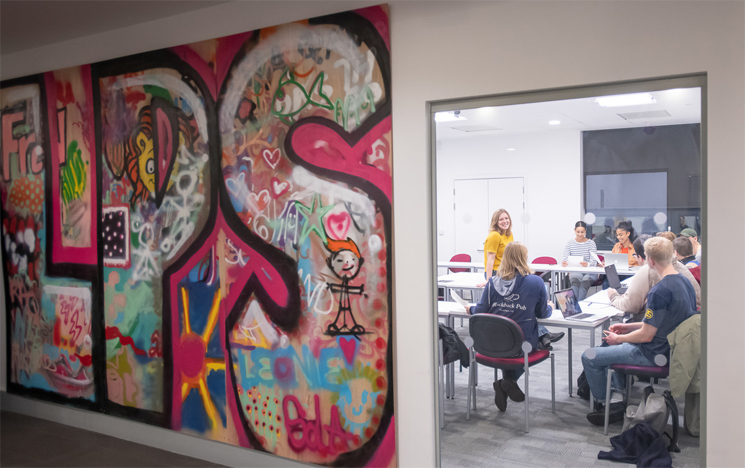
(200, 238)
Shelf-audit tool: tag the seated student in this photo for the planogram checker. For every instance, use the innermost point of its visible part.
(669, 303)
(669, 235)
(634, 300)
(691, 234)
(684, 252)
(517, 294)
(625, 236)
(583, 247)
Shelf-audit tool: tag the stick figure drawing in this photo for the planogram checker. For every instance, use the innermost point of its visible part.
(345, 261)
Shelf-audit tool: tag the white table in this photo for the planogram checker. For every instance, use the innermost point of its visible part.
(557, 271)
(460, 281)
(466, 280)
(473, 266)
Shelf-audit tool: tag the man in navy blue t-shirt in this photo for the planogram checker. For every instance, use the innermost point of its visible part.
(669, 303)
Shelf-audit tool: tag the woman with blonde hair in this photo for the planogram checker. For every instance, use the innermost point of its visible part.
(516, 294)
(500, 234)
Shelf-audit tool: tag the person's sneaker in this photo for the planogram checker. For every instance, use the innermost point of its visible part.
(512, 390)
(500, 397)
(597, 417)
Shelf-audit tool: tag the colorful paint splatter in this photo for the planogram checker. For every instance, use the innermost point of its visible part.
(199, 238)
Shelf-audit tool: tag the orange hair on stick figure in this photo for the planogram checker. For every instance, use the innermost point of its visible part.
(345, 261)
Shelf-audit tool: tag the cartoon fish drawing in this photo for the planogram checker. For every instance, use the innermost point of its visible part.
(291, 98)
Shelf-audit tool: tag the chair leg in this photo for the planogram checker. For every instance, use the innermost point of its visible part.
(527, 394)
(471, 387)
(553, 386)
(468, 398)
(607, 399)
(628, 390)
(475, 376)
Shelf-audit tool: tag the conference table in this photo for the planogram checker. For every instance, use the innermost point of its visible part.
(557, 271)
(473, 266)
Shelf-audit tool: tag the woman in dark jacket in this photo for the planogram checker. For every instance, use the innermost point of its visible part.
(518, 295)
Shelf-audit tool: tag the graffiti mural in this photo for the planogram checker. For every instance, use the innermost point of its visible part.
(199, 238)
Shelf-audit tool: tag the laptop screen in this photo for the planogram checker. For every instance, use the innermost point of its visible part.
(620, 260)
(568, 303)
(613, 280)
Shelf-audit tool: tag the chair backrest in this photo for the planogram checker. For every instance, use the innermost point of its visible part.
(496, 336)
(602, 258)
(696, 272)
(545, 261)
(460, 258)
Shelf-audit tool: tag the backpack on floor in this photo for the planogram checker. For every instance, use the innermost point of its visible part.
(453, 347)
(655, 410)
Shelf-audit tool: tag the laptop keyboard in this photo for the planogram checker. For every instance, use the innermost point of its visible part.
(582, 316)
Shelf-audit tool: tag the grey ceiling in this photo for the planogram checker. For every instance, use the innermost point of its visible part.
(29, 23)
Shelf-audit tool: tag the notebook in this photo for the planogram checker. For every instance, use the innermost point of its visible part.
(621, 261)
(570, 307)
(574, 260)
(613, 280)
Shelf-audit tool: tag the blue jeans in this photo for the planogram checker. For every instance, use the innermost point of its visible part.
(596, 368)
(581, 283)
(513, 374)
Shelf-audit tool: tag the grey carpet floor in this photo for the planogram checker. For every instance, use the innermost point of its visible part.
(564, 439)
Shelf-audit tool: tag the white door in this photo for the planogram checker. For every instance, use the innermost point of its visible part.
(475, 202)
(509, 193)
(471, 216)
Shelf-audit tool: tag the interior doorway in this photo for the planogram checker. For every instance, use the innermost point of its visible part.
(573, 176)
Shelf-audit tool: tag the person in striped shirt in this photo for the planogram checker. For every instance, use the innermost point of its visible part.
(586, 248)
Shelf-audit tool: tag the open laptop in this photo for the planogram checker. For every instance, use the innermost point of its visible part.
(613, 280)
(570, 307)
(621, 261)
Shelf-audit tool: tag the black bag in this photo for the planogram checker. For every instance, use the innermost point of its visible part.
(452, 346)
(583, 388)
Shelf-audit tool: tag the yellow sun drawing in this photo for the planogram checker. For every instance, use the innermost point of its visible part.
(195, 365)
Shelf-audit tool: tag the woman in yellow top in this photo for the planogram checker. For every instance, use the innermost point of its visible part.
(500, 234)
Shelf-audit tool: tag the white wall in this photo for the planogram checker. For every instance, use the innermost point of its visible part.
(456, 49)
(550, 164)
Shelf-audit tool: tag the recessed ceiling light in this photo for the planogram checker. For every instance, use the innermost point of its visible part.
(510, 149)
(620, 100)
(448, 116)
(554, 122)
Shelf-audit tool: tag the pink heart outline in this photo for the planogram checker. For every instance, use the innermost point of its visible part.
(337, 224)
(259, 201)
(279, 187)
(271, 156)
